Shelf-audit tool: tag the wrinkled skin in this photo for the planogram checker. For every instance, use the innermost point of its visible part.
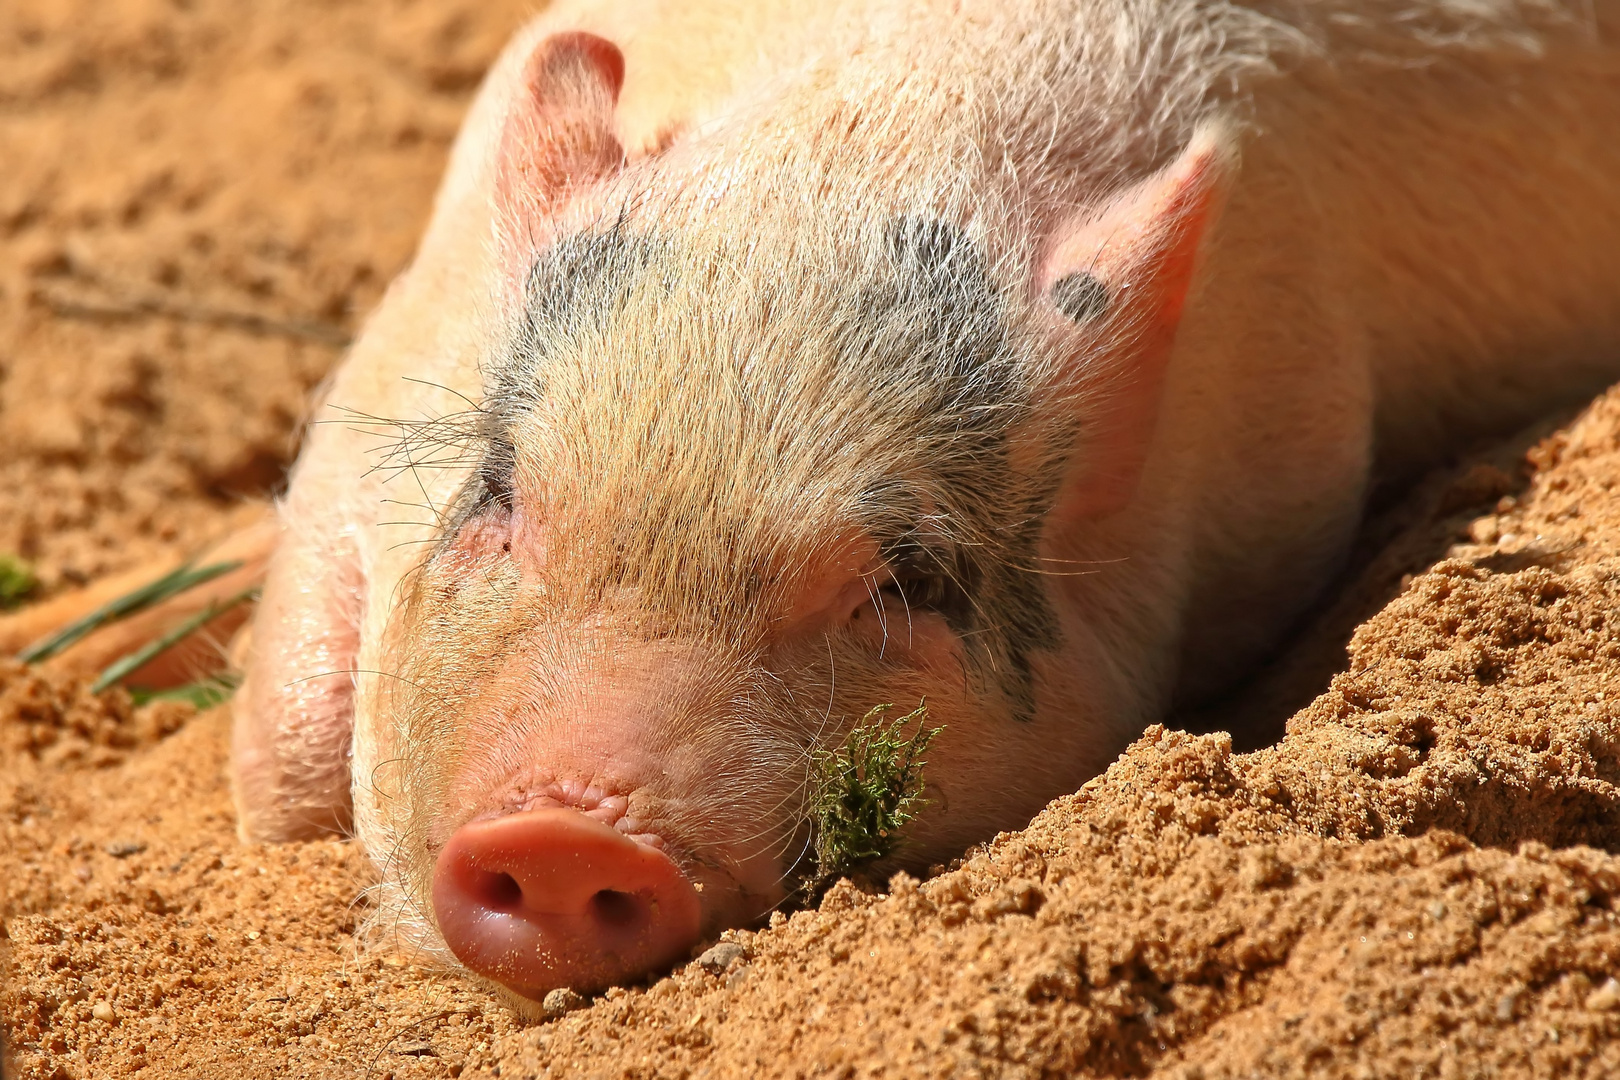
(766, 363)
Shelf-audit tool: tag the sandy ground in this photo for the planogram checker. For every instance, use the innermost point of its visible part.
(200, 200)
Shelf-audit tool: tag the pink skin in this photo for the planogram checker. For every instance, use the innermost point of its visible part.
(553, 897)
(564, 883)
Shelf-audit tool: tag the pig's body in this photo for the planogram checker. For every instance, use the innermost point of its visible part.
(829, 319)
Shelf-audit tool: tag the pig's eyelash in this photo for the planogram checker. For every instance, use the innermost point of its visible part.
(923, 587)
(452, 441)
(438, 519)
(792, 870)
(832, 693)
(1098, 565)
(474, 440)
(787, 824)
(465, 430)
(875, 598)
(495, 471)
(438, 699)
(801, 788)
(409, 924)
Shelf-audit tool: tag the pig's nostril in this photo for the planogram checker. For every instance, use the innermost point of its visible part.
(615, 909)
(498, 892)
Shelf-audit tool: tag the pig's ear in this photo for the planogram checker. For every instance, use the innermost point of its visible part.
(1116, 279)
(558, 135)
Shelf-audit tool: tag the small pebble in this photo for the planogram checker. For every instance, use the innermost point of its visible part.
(1605, 998)
(561, 1001)
(123, 849)
(104, 1012)
(717, 959)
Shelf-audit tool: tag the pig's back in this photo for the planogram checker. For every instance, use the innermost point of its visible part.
(1467, 185)
(1422, 246)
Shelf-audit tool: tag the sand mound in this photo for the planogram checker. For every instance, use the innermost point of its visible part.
(1413, 881)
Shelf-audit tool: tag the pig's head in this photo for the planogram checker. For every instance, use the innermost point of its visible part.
(768, 439)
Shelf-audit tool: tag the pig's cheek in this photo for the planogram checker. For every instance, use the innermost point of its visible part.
(918, 639)
(938, 650)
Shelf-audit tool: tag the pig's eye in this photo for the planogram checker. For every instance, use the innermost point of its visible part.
(496, 474)
(917, 592)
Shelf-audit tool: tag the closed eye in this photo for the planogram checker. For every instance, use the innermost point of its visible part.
(907, 610)
(917, 592)
(495, 472)
(910, 592)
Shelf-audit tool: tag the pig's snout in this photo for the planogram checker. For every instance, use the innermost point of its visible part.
(548, 898)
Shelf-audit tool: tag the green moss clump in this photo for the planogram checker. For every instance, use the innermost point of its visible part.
(17, 581)
(863, 791)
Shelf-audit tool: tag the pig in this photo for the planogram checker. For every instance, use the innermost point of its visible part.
(767, 361)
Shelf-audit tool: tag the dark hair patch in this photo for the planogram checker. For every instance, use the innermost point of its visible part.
(943, 320)
(1080, 296)
(580, 282)
(585, 279)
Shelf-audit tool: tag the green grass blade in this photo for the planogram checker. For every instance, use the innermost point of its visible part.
(123, 666)
(204, 693)
(171, 584)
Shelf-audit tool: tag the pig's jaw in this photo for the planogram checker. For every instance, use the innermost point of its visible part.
(655, 754)
(588, 845)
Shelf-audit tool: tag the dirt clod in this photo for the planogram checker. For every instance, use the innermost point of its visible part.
(719, 958)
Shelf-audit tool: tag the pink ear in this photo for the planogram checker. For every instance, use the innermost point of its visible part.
(559, 135)
(1117, 279)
